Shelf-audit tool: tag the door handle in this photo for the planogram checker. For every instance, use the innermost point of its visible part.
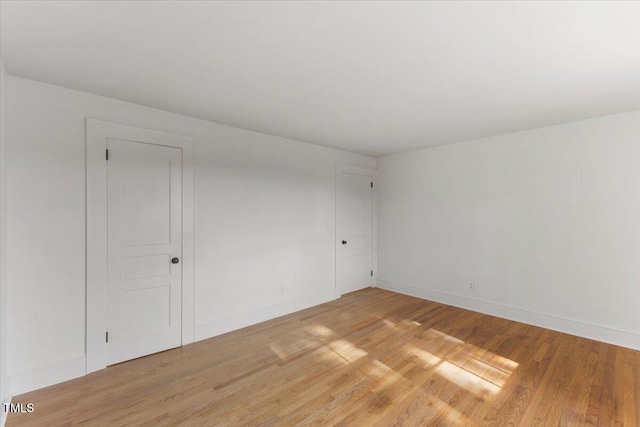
(344, 242)
(175, 260)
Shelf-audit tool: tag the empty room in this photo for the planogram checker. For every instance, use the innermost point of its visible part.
(357, 213)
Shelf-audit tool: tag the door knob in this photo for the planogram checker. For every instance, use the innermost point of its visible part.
(344, 242)
(175, 260)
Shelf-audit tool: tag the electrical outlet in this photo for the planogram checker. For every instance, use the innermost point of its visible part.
(472, 287)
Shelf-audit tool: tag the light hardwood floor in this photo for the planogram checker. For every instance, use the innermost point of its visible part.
(370, 358)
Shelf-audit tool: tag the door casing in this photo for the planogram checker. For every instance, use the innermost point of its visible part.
(342, 168)
(97, 133)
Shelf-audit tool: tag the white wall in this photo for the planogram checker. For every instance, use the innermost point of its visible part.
(545, 223)
(264, 221)
(4, 378)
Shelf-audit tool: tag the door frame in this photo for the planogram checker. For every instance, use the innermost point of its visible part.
(97, 133)
(371, 173)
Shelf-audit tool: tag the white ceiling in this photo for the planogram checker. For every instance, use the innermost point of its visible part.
(369, 77)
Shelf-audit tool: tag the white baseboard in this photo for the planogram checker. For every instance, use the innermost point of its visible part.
(35, 378)
(232, 323)
(573, 327)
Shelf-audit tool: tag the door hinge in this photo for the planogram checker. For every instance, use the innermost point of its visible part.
(107, 154)
(371, 273)
(107, 336)
(371, 184)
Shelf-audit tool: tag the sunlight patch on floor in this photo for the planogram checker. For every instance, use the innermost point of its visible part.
(475, 369)
(319, 330)
(402, 324)
(465, 379)
(331, 356)
(446, 337)
(380, 370)
(332, 351)
(472, 368)
(480, 368)
(278, 351)
(429, 360)
(389, 324)
(346, 350)
(285, 351)
(485, 356)
(451, 414)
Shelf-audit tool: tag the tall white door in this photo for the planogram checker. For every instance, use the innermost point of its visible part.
(144, 198)
(354, 231)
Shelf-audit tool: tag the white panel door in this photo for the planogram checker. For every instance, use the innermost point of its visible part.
(354, 226)
(144, 199)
